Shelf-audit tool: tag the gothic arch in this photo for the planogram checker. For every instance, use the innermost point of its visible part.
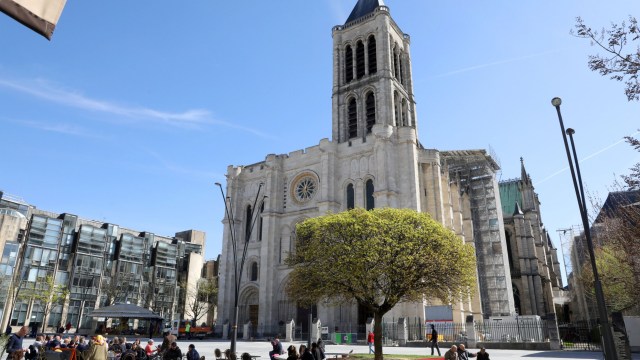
(286, 308)
(352, 117)
(249, 304)
(372, 54)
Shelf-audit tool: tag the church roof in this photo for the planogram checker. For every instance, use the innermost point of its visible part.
(510, 195)
(362, 8)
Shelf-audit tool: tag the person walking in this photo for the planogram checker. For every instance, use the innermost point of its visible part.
(434, 340)
(370, 339)
(451, 354)
(187, 330)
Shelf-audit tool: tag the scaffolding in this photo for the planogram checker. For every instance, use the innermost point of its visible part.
(575, 255)
(475, 171)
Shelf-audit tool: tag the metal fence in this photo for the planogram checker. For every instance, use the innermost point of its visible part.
(580, 336)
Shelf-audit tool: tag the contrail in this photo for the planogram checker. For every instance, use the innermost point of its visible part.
(476, 67)
(587, 158)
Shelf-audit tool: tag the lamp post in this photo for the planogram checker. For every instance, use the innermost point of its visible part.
(238, 266)
(608, 344)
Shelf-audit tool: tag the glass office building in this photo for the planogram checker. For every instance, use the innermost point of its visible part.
(100, 264)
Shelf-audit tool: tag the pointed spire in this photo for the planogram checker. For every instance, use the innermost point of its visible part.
(364, 7)
(523, 172)
(518, 210)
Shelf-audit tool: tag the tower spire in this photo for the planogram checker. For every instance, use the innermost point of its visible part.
(364, 7)
(523, 172)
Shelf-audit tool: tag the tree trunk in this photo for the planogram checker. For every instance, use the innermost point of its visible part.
(377, 335)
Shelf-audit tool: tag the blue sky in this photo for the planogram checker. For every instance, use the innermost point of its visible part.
(135, 109)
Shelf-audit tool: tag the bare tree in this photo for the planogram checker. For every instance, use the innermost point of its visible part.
(616, 62)
(201, 299)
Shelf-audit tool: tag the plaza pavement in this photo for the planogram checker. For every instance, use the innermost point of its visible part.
(262, 348)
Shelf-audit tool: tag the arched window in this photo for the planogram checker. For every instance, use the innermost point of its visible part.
(348, 64)
(368, 198)
(359, 59)
(247, 224)
(260, 222)
(396, 66)
(401, 68)
(371, 49)
(351, 201)
(371, 111)
(253, 274)
(353, 118)
(405, 113)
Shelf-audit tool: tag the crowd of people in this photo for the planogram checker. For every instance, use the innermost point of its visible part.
(96, 347)
(118, 348)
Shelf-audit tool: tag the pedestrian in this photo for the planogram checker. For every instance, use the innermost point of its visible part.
(463, 354)
(9, 330)
(36, 348)
(150, 330)
(434, 340)
(192, 354)
(482, 354)
(316, 352)
(187, 330)
(14, 344)
(370, 339)
(451, 354)
(68, 326)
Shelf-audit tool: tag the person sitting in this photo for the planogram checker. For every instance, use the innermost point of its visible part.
(463, 354)
(217, 353)
(14, 344)
(149, 349)
(277, 348)
(305, 353)
(96, 350)
(482, 354)
(245, 356)
(451, 354)
(35, 349)
(173, 353)
(192, 353)
(292, 353)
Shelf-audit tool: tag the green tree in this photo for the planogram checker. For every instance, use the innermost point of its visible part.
(46, 292)
(378, 258)
(618, 281)
(619, 62)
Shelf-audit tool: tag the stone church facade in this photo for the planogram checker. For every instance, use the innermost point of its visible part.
(533, 260)
(373, 160)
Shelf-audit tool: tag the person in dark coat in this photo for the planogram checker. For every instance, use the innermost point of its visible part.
(173, 353)
(463, 354)
(305, 354)
(14, 344)
(317, 353)
(482, 354)
(434, 340)
(277, 348)
(192, 354)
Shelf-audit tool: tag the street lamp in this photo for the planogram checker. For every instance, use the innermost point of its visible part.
(238, 267)
(607, 335)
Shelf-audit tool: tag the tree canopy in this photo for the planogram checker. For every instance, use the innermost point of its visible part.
(618, 62)
(378, 259)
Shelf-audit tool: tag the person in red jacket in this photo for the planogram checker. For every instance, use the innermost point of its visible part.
(370, 340)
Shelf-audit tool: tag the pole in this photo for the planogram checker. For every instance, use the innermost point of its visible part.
(238, 267)
(607, 335)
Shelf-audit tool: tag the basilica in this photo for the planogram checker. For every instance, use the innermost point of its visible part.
(374, 159)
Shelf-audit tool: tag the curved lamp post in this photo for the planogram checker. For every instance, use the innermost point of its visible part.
(238, 266)
(607, 335)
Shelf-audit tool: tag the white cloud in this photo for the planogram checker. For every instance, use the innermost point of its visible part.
(193, 118)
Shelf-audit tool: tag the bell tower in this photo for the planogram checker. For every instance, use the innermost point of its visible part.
(372, 81)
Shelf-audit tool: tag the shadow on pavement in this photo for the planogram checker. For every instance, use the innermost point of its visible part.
(566, 355)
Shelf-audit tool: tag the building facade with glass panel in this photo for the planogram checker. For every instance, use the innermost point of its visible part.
(100, 264)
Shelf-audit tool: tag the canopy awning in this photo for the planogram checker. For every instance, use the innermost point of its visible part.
(124, 311)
